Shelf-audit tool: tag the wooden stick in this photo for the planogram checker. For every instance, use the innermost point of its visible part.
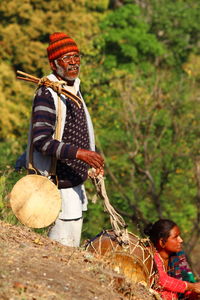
(50, 84)
(27, 75)
(26, 79)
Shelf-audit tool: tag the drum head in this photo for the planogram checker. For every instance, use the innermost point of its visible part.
(130, 266)
(35, 201)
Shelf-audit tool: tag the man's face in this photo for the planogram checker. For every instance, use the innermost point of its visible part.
(67, 66)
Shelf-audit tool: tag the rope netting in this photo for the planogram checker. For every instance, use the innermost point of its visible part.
(133, 254)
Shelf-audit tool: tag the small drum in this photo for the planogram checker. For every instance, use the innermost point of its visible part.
(35, 201)
(134, 260)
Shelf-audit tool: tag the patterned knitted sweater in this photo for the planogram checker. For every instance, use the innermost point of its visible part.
(70, 171)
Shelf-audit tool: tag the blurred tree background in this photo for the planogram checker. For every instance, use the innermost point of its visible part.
(140, 78)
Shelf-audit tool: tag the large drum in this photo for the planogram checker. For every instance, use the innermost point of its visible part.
(134, 259)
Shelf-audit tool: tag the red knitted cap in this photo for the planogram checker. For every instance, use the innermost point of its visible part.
(59, 44)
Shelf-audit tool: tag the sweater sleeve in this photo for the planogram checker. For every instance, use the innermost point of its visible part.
(166, 281)
(44, 120)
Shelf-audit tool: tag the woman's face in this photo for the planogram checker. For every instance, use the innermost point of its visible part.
(174, 241)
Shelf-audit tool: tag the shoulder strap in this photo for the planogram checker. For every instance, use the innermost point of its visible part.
(57, 136)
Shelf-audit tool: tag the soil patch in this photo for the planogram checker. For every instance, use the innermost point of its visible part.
(34, 267)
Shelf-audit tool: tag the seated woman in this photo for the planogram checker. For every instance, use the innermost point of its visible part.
(171, 261)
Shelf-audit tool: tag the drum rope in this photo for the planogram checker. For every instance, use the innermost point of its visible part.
(117, 222)
(119, 226)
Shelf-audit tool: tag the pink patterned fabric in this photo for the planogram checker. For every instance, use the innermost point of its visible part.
(168, 286)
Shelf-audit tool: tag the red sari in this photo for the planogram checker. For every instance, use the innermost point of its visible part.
(169, 287)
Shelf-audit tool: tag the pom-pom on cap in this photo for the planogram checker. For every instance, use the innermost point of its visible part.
(60, 44)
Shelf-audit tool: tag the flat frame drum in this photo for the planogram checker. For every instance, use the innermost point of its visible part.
(35, 201)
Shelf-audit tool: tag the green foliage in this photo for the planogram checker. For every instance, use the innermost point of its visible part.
(176, 24)
(140, 79)
(149, 145)
(97, 5)
(8, 177)
(127, 40)
(15, 105)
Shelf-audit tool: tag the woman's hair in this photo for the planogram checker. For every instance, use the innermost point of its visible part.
(159, 230)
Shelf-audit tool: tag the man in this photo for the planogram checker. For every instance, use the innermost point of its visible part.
(75, 151)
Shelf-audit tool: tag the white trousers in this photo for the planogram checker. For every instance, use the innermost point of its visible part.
(68, 226)
(67, 232)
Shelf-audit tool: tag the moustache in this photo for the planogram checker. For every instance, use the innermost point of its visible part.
(71, 67)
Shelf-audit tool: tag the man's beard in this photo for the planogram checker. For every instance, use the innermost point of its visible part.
(62, 73)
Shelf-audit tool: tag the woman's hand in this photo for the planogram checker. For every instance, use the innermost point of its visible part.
(194, 287)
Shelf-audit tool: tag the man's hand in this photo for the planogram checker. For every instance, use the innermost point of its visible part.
(92, 158)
